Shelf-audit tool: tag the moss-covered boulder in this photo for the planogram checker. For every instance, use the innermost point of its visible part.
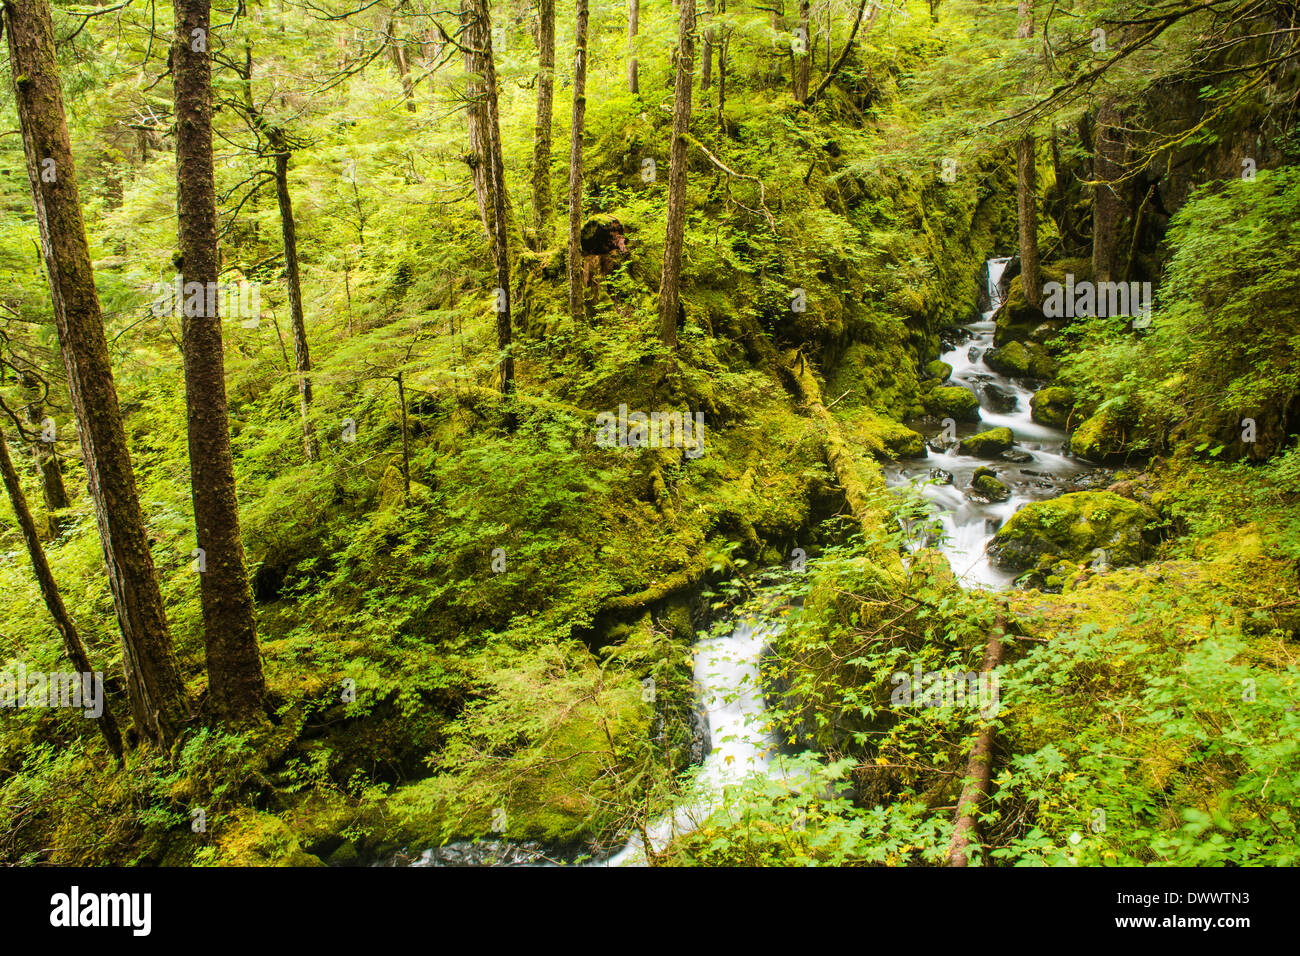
(1018, 321)
(955, 402)
(1052, 406)
(1072, 528)
(1021, 360)
(254, 838)
(984, 486)
(939, 370)
(883, 437)
(987, 444)
(1102, 438)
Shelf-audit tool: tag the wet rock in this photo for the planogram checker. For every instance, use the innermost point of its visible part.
(939, 369)
(1073, 527)
(997, 397)
(1052, 406)
(986, 488)
(953, 401)
(1016, 456)
(1021, 360)
(987, 444)
(941, 477)
(1102, 438)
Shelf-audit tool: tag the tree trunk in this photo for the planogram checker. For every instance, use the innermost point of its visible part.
(724, 40)
(706, 51)
(545, 109)
(804, 58)
(844, 54)
(72, 645)
(153, 679)
(1025, 27)
(1027, 211)
(670, 281)
(979, 767)
(1107, 168)
(234, 665)
(475, 44)
(398, 52)
(485, 112)
(577, 303)
(46, 456)
(633, 27)
(301, 356)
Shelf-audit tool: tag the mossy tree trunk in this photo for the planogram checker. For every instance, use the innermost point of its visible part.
(577, 303)
(633, 28)
(45, 453)
(1027, 190)
(153, 678)
(670, 279)
(545, 108)
(803, 54)
(234, 664)
(72, 645)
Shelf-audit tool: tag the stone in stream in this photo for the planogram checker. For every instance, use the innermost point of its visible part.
(941, 477)
(1052, 406)
(987, 444)
(939, 369)
(1021, 360)
(1016, 456)
(985, 487)
(1074, 528)
(953, 401)
(997, 397)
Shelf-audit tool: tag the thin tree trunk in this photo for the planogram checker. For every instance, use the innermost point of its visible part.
(490, 159)
(706, 50)
(1027, 189)
(803, 59)
(979, 767)
(406, 442)
(234, 664)
(1027, 211)
(545, 108)
(844, 54)
(577, 303)
(670, 281)
(724, 41)
(301, 355)
(633, 27)
(398, 52)
(475, 44)
(153, 678)
(72, 645)
(53, 491)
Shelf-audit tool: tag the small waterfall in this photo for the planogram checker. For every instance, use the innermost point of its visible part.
(1035, 469)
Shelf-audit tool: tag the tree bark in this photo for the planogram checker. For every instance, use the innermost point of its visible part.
(706, 50)
(804, 59)
(844, 54)
(486, 117)
(45, 454)
(979, 768)
(72, 645)
(153, 679)
(542, 212)
(301, 355)
(1108, 203)
(398, 53)
(633, 27)
(1027, 211)
(577, 302)
(670, 280)
(235, 682)
(475, 44)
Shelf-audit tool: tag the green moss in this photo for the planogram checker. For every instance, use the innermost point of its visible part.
(254, 838)
(1101, 438)
(953, 401)
(1072, 527)
(939, 370)
(987, 444)
(1021, 360)
(1052, 406)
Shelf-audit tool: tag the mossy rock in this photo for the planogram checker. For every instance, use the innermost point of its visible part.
(953, 401)
(883, 437)
(985, 486)
(1071, 528)
(938, 369)
(1052, 406)
(1018, 321)
(1021, 360)
(987, 444)
(1101, 438)
(392, 489)
(253, 838)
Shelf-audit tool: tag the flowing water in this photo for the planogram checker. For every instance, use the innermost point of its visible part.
(727, 667)
(1035, 469)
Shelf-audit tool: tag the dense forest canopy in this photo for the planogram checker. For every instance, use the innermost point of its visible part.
(686, 433)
